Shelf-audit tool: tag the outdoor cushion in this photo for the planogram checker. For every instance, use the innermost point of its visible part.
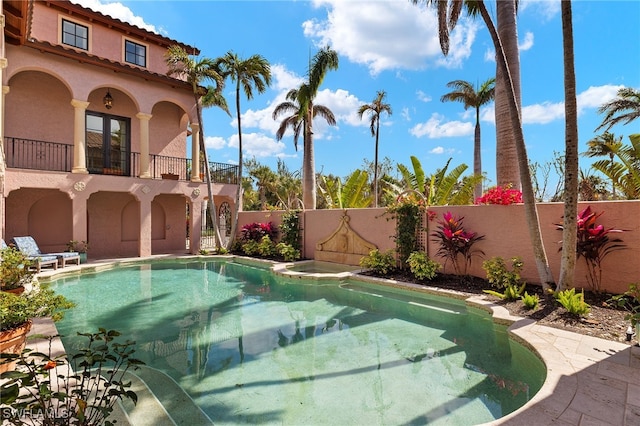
(28, 246)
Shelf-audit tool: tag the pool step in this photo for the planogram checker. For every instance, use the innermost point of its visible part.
(161, 401)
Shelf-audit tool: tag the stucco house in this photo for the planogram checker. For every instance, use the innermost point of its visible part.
(95, 136)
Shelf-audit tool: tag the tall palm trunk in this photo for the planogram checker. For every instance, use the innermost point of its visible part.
(234, 226)
(375, 165)
(531, 214)
(569, 225)
(213, 211)
(477, 157)
(506, 153)
(309, 168)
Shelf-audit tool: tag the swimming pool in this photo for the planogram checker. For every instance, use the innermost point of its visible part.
(251, 347)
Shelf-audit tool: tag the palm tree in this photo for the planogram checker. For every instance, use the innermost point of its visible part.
(197, 71)
(247, 74)
(602, 145)
(623, 109)
(352, 194)
(571, 178)
(465, 92)
(374, 109)
(626, 173)
(300, 101)
(479, 8)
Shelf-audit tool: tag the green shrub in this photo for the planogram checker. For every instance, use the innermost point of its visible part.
(421, 266)
(290, 229)
(266, 247)
(530, 301)
(251, 248)
(500, 278)
(16, 310)
(379, 263)
(14, 269)
(573, 302)
(287, 252)
(630, 301)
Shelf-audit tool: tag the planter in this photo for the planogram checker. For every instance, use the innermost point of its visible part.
(18, 290)
(83, 257)
(13, 342)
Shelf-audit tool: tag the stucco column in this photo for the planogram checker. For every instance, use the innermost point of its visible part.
(144, 144)
(79, 212)
(144, 248)
(79, 134)
(195, 153)
(195, 225)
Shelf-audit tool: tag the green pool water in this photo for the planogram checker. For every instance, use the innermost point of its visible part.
(251, 347)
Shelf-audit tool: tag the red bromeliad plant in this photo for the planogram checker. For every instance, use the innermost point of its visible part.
(455, 241)
(594, 244)
(255, 231)
(499, 195)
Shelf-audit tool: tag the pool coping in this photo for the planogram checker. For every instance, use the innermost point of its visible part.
(589, 380)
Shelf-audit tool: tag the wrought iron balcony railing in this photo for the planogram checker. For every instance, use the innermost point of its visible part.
(51, 156)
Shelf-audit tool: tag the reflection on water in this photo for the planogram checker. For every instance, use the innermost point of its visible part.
(252, 347)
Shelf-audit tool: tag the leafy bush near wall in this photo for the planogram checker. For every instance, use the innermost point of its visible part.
(290, 229)
(255, 231)
(408, 212)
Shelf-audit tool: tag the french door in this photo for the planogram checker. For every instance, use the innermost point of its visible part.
(108, 144)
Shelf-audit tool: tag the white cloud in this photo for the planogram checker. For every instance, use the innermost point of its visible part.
(437, 150)
(543, 113)
(406, 115)
(284, 80)
(490, 55)
(527, 43)
(215, 142)
(257, 145)
(388, 35)
(117, 10)
(545, 8)
(594, 97)
(436, 127)
(423, 96)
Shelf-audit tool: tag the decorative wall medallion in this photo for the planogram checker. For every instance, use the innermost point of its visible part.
(79, 186)
(195, 192)
(145, 189)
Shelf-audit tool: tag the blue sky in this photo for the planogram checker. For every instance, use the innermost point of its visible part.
(392, 45)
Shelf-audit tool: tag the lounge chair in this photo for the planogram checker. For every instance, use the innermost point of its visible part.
(29, 247)
(39, 261)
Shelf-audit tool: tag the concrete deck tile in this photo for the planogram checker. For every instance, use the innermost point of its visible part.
(633, 394)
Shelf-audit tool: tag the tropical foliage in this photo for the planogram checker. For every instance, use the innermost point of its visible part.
(621, 110)
(464, 92)
(625, 173)
(353, 194)
(197, 71)
(444, 187)
(302, 109)
(375, 109)
(454, 242)
(594, 243)
(250, 73)
(502, 196)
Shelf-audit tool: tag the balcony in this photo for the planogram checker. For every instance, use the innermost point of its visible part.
(51, 156)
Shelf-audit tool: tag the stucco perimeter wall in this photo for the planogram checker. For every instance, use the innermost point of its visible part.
(506, 235)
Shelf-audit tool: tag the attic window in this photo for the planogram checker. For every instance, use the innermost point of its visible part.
(135, 53)
(75, 35)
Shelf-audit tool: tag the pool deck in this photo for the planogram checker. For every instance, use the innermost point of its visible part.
(590, 381)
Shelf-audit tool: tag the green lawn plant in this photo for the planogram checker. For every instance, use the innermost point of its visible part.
(408, 212)
(422, 267)
(379, 263)
(16, 310)
(501, 278)
(573, 302)
(81, 389)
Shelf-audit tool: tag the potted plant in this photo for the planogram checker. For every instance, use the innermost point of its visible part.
(79, 246)
(14, 270)
(17, 312)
